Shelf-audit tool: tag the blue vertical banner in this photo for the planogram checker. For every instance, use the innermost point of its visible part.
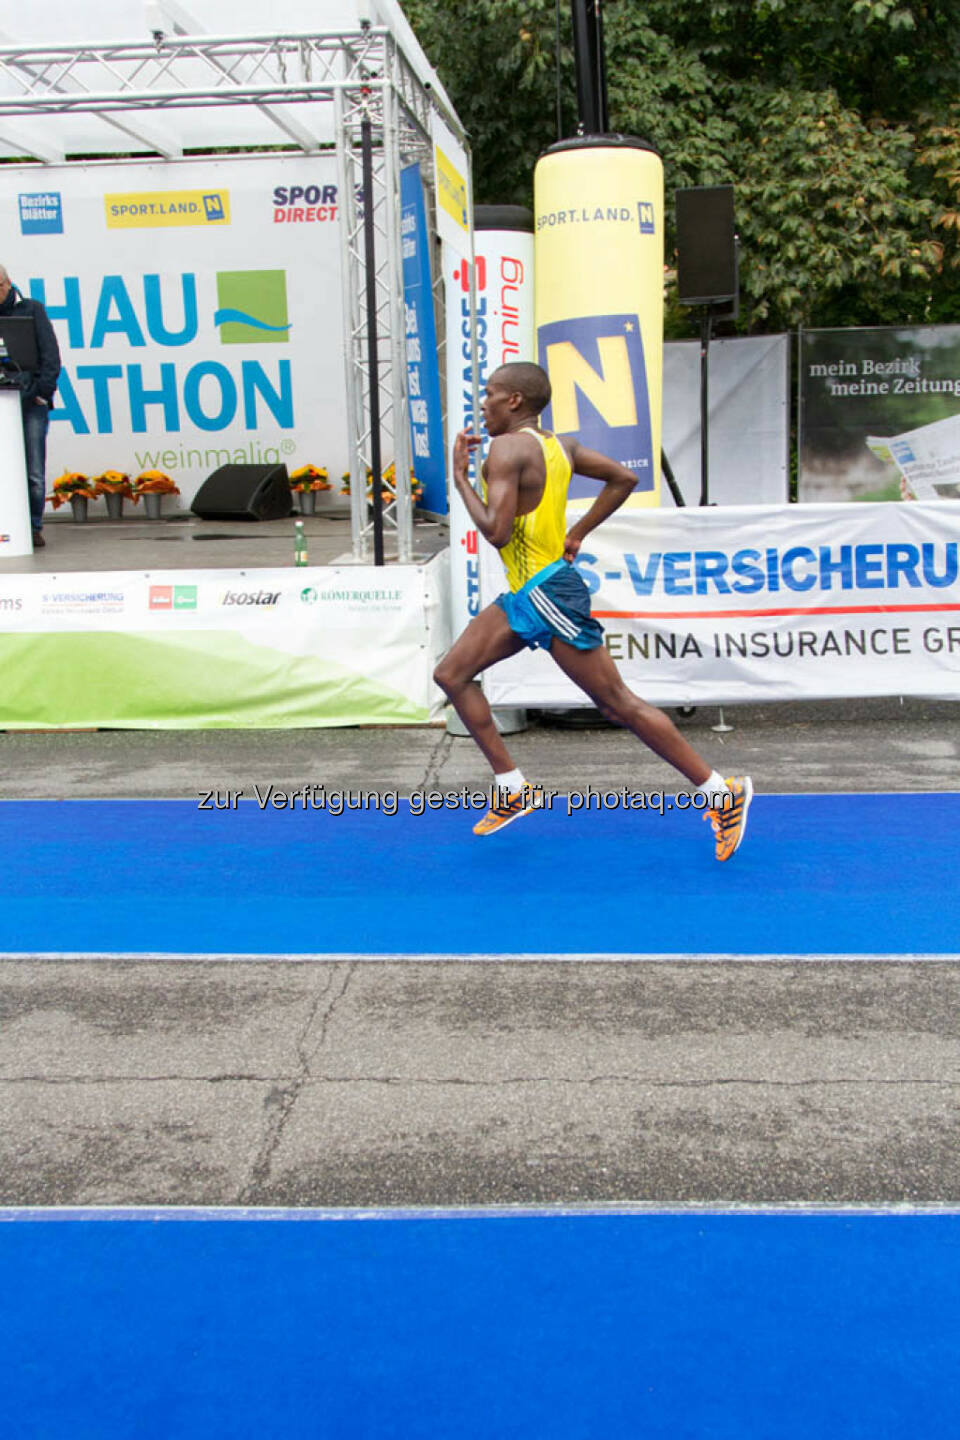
(423, 369)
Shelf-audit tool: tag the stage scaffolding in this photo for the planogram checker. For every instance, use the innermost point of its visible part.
(362, 75)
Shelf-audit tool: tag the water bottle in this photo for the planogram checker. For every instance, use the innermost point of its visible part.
(299, 544)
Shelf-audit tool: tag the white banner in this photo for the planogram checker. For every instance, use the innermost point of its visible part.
(749, 422)
(197, 306)
(223, 648)
(764, 603)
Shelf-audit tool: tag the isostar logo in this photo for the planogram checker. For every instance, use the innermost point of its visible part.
(41, 213)
(304, 204)
(173, 597)
(252, 307)
(599, 382)
(250, 597)
(153, 209)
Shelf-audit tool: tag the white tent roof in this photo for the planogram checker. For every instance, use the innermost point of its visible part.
(39, 45)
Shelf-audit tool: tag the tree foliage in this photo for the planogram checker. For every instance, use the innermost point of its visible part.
(838, 122)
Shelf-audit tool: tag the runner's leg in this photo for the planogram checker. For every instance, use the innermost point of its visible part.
(595, 673)
(486, 640)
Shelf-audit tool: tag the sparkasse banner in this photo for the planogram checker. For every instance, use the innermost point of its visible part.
(764, 602)
(197, 304)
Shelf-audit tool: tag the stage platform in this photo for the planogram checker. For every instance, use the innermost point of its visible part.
(181, 541)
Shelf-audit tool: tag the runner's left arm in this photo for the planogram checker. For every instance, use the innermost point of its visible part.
(618, 482)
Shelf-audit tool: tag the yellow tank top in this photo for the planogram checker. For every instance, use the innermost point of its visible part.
(537, 539)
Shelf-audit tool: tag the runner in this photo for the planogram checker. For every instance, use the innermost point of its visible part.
(525, 479)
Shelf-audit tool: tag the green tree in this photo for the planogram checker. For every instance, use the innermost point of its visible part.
(836, 120)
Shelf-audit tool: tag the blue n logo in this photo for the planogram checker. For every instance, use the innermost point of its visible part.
(599, 382)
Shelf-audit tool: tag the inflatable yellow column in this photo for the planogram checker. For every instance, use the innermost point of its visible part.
(598, 204)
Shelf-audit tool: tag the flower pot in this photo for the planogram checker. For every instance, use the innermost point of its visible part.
(308, 502)
(114, 506)
(153, 504)
(78, 504)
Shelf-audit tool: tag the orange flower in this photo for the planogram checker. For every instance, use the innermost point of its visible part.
(113, 482)
(69, 484)
(154, 482)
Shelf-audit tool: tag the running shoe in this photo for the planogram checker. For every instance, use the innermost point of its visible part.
(729, 819)
(507, 808)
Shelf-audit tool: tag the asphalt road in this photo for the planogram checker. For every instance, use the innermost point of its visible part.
(492, 1082)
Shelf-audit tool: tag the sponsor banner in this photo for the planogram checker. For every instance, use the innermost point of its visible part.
(880, 413)
(423, 367)
(209, 348)
(599, 305)
(155, 209)
(765, 603)
(454, 203)
(503, 284)
(224, 649)
(41, 213)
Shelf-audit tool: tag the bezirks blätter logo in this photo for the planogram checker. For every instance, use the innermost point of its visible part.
(41, 213)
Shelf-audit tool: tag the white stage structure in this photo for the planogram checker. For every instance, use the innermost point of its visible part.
(300, 89)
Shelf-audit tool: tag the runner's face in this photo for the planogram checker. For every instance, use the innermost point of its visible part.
(495, 408)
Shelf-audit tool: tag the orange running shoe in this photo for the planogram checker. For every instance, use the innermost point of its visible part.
(729, 820)
(507, 808)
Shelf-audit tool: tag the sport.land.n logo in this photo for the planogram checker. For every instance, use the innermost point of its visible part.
(252, 307)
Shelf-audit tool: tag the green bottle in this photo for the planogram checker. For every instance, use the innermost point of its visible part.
(299, 544)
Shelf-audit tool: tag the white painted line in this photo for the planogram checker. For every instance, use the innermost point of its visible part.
(395, 957)
(101, 1213)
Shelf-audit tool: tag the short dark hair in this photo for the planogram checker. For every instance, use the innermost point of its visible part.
(529, 379)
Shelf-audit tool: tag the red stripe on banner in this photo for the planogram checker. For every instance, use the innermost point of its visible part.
(747, 614)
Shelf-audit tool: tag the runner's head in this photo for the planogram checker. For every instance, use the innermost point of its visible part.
(515, 395)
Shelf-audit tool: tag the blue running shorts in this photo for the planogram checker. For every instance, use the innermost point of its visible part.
(553, 605)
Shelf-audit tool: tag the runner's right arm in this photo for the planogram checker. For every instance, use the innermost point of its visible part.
(494, 519)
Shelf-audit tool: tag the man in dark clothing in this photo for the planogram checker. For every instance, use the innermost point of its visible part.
(37, 389)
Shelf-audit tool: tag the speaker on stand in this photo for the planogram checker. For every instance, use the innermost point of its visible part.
(707, 277)
(245, 492)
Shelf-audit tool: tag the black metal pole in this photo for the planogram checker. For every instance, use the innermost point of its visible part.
(601, 68)
(591, 73)
(373, 359)
(706, 325)
(671, 480)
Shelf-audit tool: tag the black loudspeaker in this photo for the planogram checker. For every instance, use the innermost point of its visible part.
(706, 245)
(245, 492)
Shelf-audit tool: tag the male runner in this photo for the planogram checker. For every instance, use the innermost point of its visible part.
(526, 476)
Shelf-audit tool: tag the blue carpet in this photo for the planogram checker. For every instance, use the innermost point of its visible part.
(817, 874)
(674, 1326)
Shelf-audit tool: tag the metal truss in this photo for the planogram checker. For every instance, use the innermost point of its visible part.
(365, 75)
